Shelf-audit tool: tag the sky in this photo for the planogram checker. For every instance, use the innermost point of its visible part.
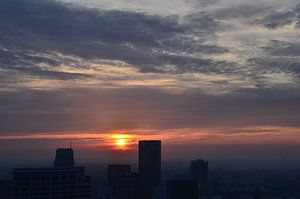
(211, 78)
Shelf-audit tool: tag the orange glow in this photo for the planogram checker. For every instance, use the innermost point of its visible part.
(122, 141)
(127, 140)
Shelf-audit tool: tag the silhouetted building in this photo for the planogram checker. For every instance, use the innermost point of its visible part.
(150, 161)
(63, 181)
(115, 172)
(199, 170)
(5, 189)
(64, 158)
(149, 166)
(127, 187)
(60, 183)
(182, 189)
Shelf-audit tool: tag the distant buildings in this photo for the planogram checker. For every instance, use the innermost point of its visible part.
(191, 185)
(63, 181)
(149, 166)
(198, 170)
(182, 189)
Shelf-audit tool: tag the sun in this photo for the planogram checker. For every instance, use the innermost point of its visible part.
(121, 142)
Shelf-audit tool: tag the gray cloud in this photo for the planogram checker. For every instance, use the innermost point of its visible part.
(33, 32)
(283, 48)
(242, 11)
(281, 18)
(139, 39)
(280, 57)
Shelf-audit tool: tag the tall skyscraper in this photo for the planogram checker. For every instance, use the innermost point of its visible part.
(149, 165)
(182, 189)
(199, 170)
(150, 161)
(64, 158)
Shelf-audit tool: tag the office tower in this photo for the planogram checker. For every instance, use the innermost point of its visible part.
(199, 170)
(150, 161)
(5, 189)
(115, 172)
(149, 166)
(64, 158)
(63, 181)
(127, 187)
(60, 183)
(182, 189)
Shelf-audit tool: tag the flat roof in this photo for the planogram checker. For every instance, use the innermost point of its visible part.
(47, 169)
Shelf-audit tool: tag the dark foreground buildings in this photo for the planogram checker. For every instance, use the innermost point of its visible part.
(60, 183)
(64, 181)
(122, 183)
(182, 189)
(149, 166)
(128, 187)
(115, 172)
(150, 161)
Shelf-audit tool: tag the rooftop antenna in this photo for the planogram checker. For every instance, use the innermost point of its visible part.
(70, 145)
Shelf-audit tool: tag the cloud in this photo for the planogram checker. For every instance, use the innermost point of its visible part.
(282, 17)
(283, 48)
(147, 42)
(69, 68)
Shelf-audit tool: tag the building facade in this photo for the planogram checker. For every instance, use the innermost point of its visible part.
(51, 183)
(128, 187)
(63, 181)
(149, 166)
(150, 161)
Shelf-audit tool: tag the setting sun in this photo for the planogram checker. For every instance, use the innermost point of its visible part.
(121, 141)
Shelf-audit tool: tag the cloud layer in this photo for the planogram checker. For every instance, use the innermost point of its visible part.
(100, 67)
